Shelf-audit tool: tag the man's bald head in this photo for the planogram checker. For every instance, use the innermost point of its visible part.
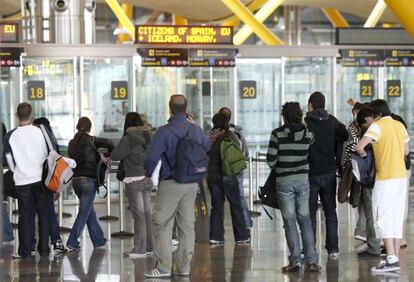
(178, 104)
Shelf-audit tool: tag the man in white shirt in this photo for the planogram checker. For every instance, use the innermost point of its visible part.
(26, 150)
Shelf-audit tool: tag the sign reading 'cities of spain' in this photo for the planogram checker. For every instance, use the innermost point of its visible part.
(167, 34)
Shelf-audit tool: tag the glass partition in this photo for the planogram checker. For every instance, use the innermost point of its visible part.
(9, 89)
(304, 75)
(154, 87)
(259, 116)
(106, 95)
(49, 85)
(348, 86)
(403, 104)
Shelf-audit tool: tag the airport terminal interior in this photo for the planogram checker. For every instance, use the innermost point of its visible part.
(103, 59)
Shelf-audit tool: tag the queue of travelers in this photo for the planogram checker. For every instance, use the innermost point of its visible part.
(307, 155)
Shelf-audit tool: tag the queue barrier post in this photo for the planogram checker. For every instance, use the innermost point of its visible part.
(108, 215)
(62, 228)
(257, 200)
(252, 212)
(122, 233)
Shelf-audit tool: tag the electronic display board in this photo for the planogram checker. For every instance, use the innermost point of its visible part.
(399, 58)
(10, 57)
(212, 57)
(164, 57)
(362, 58)
(9, 33)
(167, 34)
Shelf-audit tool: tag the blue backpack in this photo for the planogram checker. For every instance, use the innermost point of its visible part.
(190, 160)
(363, 168)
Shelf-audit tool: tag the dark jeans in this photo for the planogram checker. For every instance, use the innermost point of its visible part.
(227, 187)
(246, 212)
(54, 225)
(84, 188)
(324, 186)
(293, 200)
(7, 227)
(33, 197)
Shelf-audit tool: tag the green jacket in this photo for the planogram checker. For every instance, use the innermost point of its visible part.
(131, 149)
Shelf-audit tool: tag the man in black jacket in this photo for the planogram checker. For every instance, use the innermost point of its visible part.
(329, 133)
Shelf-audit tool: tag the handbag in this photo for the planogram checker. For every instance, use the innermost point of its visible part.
(120, 174)
(267, 192)
(9, 187)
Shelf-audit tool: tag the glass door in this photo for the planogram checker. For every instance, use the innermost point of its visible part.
(304, 75)
(49, 86)
(106, 94)
(9, 89)
(261, 114)
(348, 85)
(401, 102)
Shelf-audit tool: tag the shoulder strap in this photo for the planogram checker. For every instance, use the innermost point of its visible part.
(46, 136)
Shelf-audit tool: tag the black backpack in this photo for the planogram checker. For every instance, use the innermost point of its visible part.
(191, 160)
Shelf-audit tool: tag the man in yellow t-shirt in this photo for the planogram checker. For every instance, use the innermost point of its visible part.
(389, 140)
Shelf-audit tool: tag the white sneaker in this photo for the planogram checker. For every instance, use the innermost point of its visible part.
(156, 273)
(149, 253)
(136, 255)
(175, 242)
(333, 255)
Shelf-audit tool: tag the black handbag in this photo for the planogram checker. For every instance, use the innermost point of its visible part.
(267, 192)
(120, 174)
(9, 188)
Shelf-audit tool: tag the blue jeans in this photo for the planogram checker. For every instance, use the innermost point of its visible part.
(246, 212)
(84, 188)
(325, 186)
(7, 227)
(293, 200)
(227, 187)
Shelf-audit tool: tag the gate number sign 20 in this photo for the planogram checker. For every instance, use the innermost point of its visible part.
(36, 90)
(119, 90)
(247, 89)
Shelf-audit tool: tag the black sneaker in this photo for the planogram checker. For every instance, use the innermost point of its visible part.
(297, 267)
(366, 254)
(384, 266)
(313, 267)
(58, 248)
(241, 242)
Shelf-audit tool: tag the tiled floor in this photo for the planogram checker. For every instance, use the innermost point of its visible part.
(260, 261)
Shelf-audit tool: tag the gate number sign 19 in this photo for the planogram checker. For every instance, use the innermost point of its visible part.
(119, 90)
(247, 89)
(35, 90)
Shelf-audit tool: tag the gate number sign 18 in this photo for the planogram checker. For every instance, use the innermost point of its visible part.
(36, 90)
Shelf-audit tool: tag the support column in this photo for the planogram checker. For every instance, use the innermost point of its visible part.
(404, 11)
(335, 17)
(260, 16)
(247, 17)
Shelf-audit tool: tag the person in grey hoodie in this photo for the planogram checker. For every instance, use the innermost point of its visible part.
(131, 151)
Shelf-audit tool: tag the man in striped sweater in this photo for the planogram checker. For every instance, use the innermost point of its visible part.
(288, 156)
